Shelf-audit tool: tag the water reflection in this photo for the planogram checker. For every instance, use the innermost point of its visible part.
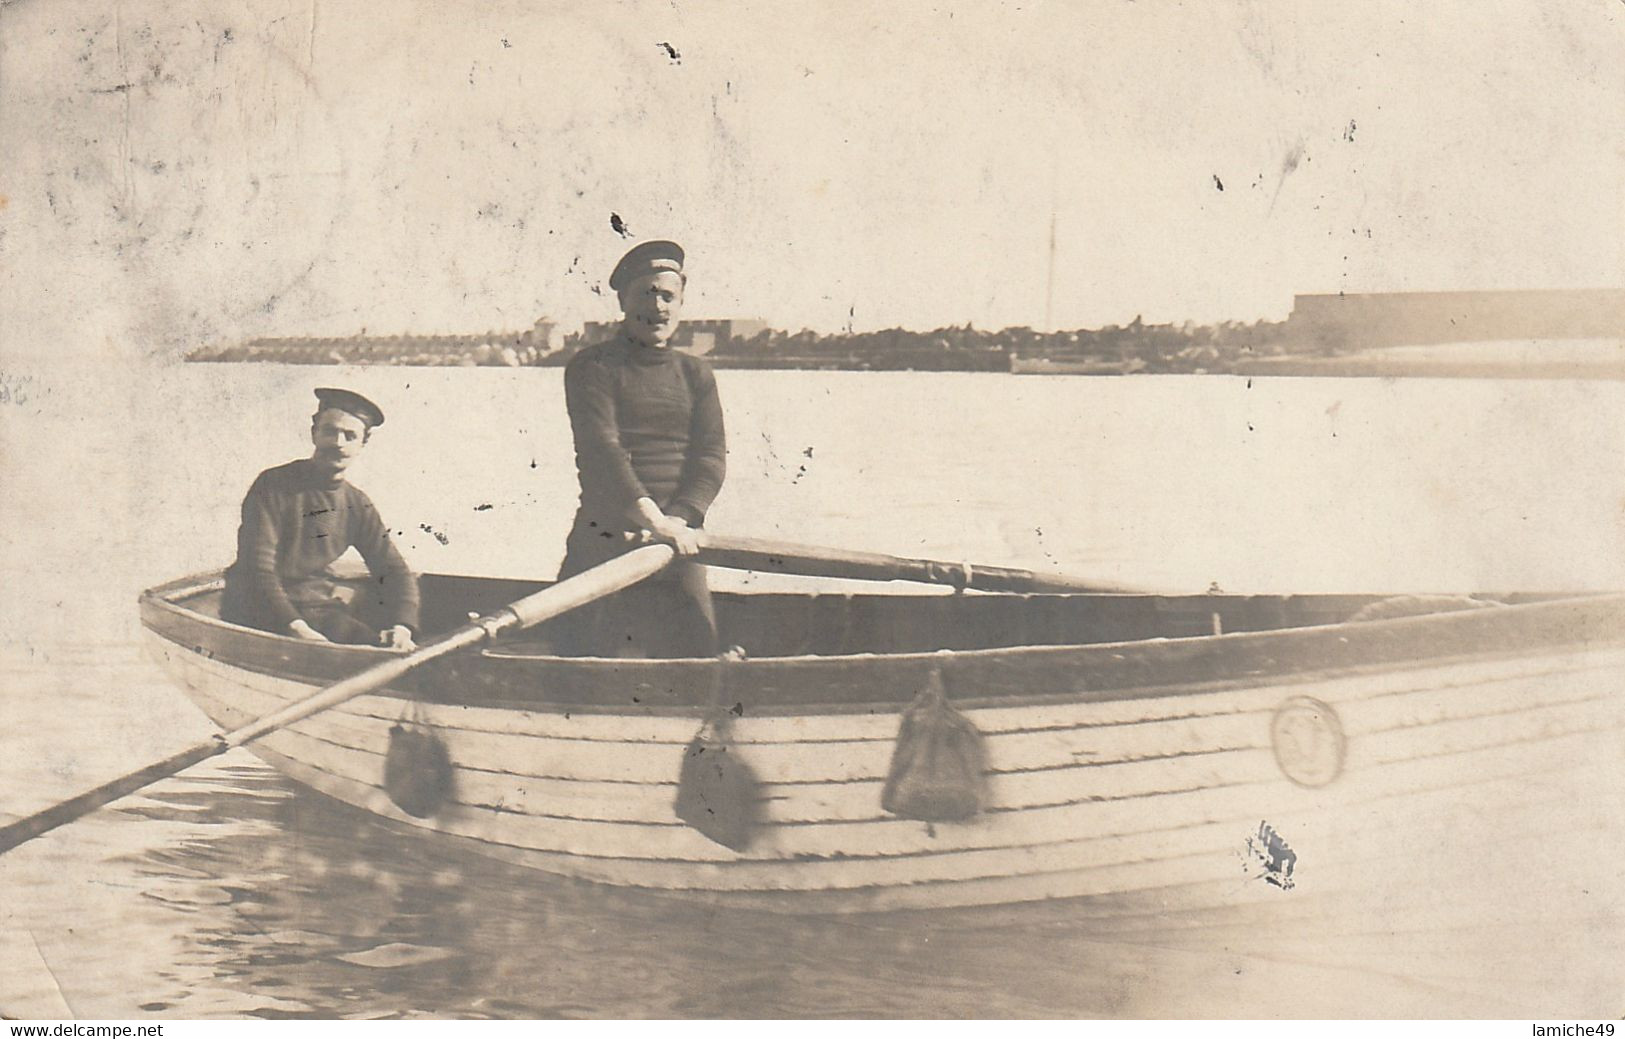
(232, 892)
(318, 909)
(301, 906)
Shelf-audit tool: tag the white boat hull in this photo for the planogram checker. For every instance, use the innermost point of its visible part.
(1402, 779)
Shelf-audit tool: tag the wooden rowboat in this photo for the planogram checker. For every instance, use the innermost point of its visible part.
(1165, 753)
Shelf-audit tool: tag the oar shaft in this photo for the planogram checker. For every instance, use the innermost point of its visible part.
(604, 579)
(375, 677)
(785, 557)
(29, 827)
(572, 592)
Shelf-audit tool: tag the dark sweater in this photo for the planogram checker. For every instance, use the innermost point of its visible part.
(297, 520)
(647, 423)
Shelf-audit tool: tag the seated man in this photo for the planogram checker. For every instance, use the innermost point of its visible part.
(300, 517)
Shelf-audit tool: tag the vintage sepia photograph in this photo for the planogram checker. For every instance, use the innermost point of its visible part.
(659, 510)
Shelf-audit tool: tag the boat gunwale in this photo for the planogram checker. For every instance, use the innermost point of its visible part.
(1120, 695)
(165, 597)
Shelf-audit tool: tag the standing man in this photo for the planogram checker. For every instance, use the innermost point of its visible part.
(650, 456)
(300, 517)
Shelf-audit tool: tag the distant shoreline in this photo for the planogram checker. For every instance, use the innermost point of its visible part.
(1526, 359)
(1559, 333)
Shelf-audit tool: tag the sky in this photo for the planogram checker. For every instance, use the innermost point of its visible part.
(188, 173)
(194, 173)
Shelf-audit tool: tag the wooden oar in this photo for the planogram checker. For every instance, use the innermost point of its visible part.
(604, 579)
(783, 557)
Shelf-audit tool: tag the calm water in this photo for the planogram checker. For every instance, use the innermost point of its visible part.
(231, 892)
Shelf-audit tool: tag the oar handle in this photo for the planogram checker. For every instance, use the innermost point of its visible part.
(785, 557)
(605, 579)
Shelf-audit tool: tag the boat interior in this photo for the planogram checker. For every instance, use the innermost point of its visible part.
(786, 624)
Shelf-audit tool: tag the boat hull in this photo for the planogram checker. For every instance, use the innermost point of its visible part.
(1299, 793)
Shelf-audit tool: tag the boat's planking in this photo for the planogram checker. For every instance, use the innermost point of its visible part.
(1088, 796)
